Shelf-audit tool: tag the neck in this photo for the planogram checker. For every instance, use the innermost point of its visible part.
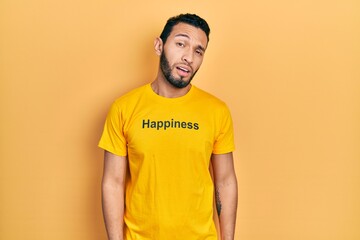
(163, 88)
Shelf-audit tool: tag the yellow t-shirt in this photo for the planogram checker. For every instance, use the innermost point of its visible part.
(168, 142)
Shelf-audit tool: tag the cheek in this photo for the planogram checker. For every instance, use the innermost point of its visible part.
(171, 60)
(172, 54)
(198, 63)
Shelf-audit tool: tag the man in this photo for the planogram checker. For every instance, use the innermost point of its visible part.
(161, 140)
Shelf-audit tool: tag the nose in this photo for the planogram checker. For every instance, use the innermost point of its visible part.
(188, 57)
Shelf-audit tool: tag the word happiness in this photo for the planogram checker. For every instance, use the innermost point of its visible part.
(158, 125)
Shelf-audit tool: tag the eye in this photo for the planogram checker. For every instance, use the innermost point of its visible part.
(199, 52)
(180, 44)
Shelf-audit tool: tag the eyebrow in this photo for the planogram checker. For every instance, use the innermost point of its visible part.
(182, 35)
(187, 36)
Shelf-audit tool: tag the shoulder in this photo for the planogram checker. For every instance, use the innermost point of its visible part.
(130, 99)
(209, 99)
(131, 95)
(127, 101)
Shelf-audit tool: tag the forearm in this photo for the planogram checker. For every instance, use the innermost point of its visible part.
(113, 209)
(226, 194)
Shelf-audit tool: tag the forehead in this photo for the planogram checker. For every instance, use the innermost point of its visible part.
(192, 33)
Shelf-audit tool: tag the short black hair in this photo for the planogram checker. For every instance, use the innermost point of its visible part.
(191, 19)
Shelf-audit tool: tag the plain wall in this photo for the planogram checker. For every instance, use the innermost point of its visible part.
(288, 70)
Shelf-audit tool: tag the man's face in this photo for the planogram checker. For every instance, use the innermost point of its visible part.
(183, 54)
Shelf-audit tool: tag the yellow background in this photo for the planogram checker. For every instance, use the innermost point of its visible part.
(289, 71)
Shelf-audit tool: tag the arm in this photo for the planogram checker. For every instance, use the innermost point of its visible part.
(225, 193)
(113, 192)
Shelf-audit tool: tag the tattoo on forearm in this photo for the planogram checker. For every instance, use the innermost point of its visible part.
(218, 202)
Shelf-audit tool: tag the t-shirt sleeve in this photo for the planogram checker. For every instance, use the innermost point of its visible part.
(113, 139)
(224, 142)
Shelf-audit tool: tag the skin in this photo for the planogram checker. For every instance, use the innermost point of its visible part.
(113, 194)
(226, 192)
(184, 48)
(184, 52)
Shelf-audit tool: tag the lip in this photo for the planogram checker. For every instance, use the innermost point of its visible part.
(182, 73)
(184, 69)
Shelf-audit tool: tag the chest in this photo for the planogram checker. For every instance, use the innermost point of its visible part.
(157, 128)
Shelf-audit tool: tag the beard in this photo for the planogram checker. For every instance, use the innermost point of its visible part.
(166, 70)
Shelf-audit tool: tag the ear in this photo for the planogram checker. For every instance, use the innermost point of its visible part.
(158, 46)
